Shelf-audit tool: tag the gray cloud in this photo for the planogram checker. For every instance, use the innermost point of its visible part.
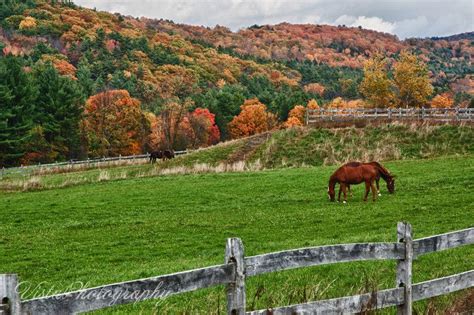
(405, 18)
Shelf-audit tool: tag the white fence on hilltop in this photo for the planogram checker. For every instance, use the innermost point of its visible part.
(97, 162)
(237, 267)
(314, 116)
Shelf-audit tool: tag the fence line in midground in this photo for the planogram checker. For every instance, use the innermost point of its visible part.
(314, 116)
(89, 162)
(237, 268)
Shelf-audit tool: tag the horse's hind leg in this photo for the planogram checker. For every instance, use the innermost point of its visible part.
(378, 186)
(344, 191)
(367, 190)
(350, 191)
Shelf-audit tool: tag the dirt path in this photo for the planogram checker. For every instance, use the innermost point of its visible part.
(249, 146)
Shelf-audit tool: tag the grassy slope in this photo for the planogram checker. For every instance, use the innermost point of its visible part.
(107, 232)
(296, 147)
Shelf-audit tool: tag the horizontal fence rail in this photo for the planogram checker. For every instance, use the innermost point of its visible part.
(377, 300)
(437, 287)
(130, 291)
(321, 255)
(314, 116)
(443, 241)
(93, 162)
(349, 304)
(237, 267)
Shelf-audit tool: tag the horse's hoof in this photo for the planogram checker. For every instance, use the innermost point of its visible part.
(344, 201)
(380, 195)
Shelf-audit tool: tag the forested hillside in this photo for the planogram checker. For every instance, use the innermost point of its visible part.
(78, 83)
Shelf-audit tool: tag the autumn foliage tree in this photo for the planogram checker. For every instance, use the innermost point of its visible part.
(114, 124)
(312, 104)
(340, 103)
(412, 81)
(27, 23)
(253, 119)
(184, 129)
(376, 87)
(171, 119)
(205, 130)
(442, 101)
(296, 117)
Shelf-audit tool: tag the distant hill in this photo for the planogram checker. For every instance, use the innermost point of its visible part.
(159, 62)
(462, 36)
(161, 51)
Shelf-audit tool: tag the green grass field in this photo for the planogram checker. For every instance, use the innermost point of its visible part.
(295, 147)
(121, 230)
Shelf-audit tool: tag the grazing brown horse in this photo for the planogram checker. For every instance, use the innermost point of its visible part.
(168, 154)
(161, 155)
(155, 155)
(355, 173)
(382, 172)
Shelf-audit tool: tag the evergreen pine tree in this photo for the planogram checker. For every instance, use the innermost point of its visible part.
(17, 99)
(59, 108)
(84, 77)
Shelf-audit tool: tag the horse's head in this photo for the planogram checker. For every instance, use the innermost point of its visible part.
(391, 184)
(331, 194)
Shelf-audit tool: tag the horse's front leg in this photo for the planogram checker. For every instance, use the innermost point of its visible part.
(374, 194)
(350, 191)
(378, 186)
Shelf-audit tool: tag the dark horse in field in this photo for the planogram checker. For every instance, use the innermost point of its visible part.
(355, 173)
(161, 155)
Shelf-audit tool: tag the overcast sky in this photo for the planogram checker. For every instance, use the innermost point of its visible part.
(405, 18)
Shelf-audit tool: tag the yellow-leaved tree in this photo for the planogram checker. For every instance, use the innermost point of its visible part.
(312, 104)
(376, 86)
(411, 79)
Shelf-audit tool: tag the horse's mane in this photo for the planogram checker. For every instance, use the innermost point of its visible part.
(383, 171)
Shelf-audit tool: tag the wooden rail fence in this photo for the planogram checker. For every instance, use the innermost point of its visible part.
(25, 170)
(314, 116)
(237, 268)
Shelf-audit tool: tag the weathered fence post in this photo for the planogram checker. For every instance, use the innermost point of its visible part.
(9, 295)
(404, 267)
(234, 253)
(422, 112)
(306, 117)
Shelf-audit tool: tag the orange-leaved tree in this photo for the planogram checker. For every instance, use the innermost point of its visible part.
(296, 117)
(442, 101)
(114, 124)
(253, 118)
(340, 103)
